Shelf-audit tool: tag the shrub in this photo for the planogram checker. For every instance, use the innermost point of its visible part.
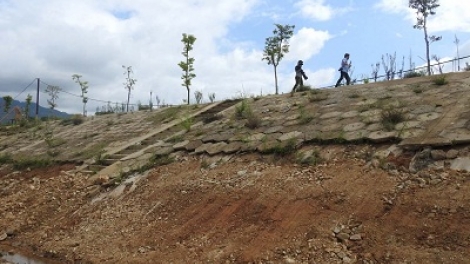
(243, 110)
(440, 80)
(390, 117)
(75, 120)
(253, 121)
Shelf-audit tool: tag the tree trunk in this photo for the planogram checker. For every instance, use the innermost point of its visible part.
(275, 79)
(128, 99)
(426, 40)
(187, 88)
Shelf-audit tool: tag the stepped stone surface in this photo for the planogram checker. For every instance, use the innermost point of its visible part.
(375, 173)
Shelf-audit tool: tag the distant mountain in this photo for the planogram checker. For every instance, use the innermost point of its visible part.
(42, 111)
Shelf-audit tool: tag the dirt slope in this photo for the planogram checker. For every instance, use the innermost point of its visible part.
(244, 209)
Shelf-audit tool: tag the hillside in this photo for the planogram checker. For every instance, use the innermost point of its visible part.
(42, 111)
(375, 173)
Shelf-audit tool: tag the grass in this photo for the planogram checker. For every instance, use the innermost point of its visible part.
(304, 117)
(312, 159)
(75, 120)
(243, 110)
(390, 117)
(440, 80)
(187, 122)
(283, 148)
(316, 96)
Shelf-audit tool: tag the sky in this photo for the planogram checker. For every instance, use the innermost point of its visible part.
(54, 39)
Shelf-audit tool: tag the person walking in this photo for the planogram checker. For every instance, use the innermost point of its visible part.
(344, 69)
(299, 74)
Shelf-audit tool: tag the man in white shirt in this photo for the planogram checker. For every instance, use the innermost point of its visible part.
(344, 69)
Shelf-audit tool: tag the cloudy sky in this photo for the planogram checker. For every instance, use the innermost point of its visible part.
(54, 39)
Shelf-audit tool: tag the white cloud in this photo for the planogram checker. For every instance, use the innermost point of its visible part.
(306, 43)
(315, 9)
(55, 39)
(450, 15)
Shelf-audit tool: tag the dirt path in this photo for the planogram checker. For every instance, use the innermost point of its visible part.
(246, 209)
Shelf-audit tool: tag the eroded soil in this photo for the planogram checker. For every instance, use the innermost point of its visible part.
(242, 209)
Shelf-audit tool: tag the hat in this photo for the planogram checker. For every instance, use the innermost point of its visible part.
(300, 62)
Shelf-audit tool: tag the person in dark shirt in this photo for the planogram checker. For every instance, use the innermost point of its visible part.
(299, 74)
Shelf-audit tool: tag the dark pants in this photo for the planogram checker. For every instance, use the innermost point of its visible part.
(344, 75)
(298, 82)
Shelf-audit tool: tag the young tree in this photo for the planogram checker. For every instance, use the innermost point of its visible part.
(84, 89)
(129, 84)
(198, 96)
(425, 8)
(375, 71)
(53, 92)
(389, 66)
(211, 97)
(456, 42)
(276, 46)
(188, 64)
(29, 99)
(8, 101)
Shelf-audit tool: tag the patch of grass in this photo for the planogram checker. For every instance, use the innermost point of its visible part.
(175, 139)
(6, 159)
(317, 95)
(283, 148)
(32, 163)
(55, 142)
(304, 117)
(354, 95)
(204, 164)
(253, 121)
(212, 118)
(312, 159)
(304, 88)
(243, 110)
(187, 122)
(440, 80)
(93, 151)
(75, 120)
(418, 89)
(390, 117)
(166, 114)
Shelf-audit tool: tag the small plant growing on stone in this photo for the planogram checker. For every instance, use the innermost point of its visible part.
(187, 122)
(390, 117)
(311, 159)
(253, 121)
(304, 117)
(417, 90)
(243, 110)
(440, 80)
(316, 96)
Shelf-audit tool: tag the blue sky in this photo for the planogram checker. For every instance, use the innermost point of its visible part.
(54, 39)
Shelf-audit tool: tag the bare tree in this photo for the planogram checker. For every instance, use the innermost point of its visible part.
(53, 92)
(425, 8)
(212, 97)
(129, 84)
(375, 70)
(198, 96)
(439, 64)
(388, 61)
(457, 41)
